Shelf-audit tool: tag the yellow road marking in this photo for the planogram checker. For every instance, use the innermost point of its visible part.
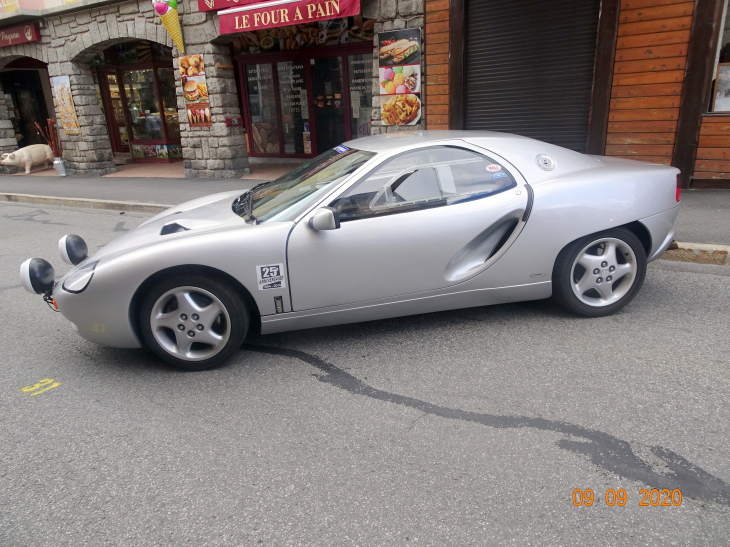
(56, 384)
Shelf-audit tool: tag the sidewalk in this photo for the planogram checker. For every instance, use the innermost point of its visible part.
(704, 217)
(162, 191)
(126, 190)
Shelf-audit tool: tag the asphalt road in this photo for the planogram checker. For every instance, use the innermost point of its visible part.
(470, 427)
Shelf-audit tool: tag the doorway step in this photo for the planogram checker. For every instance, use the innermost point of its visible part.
(122, 159)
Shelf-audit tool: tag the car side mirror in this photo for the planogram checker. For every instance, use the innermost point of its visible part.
(325, 218)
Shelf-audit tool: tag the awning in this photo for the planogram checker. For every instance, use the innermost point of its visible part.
(281, 13)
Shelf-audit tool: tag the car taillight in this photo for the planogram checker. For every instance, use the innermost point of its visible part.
(679, 189)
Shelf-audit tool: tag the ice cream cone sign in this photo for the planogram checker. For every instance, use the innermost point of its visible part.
(167, 10)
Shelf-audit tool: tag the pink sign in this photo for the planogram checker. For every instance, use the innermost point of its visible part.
(213, 5)
(22, 34)
(284, 13)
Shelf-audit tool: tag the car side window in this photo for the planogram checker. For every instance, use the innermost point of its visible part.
(425, 178)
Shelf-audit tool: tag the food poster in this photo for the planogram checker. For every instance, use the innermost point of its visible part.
(65, 104)
(150, 150)
(195, 90)
(399, 62)
(292, 37)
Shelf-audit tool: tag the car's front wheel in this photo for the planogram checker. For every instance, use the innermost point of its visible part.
(194, 322)
(599, 274)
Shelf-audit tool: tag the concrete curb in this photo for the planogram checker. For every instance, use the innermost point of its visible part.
(709, 247)
(101, 204)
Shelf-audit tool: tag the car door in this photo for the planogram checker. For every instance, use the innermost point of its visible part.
(420, 221)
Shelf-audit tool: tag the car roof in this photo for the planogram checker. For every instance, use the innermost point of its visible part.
(389, 142)
(518, 150)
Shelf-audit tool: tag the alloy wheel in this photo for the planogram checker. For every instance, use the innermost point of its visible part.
(603, 272)
(190, 323)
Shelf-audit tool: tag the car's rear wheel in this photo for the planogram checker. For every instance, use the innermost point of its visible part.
(193, 322)
(599, 274)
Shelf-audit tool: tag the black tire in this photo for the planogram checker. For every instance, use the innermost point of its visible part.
(167, 343)
(565, 277)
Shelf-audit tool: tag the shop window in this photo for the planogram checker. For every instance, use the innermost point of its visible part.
(720, 97)
(166, 77)
(360, 72)
(294, 110)
(137, 90)
(304, 103)
(262, 105)
(143, 105)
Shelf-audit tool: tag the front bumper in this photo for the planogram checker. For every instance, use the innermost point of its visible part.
(98, 316)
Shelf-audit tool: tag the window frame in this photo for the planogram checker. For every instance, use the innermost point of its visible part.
(426, 203)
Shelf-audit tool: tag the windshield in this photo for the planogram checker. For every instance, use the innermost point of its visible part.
(286, 197)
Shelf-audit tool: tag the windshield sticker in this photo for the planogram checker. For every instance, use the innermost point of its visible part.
(333, 159)
(493, 168)
(270, 277)
(499, 175)
(341, 149)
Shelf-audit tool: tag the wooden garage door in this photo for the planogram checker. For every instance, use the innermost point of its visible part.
(529, 68)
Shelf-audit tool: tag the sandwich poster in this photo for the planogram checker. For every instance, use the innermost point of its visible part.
(61, 86)
(399, 61)
(195, 90)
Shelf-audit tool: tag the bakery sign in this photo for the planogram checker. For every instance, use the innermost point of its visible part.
(281, 13)
(22, 34)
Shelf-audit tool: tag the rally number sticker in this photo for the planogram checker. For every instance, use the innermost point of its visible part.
(271, 277)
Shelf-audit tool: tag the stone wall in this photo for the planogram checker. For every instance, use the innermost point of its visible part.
(217, 151)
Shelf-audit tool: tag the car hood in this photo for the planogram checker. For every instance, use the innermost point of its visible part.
(202, 215)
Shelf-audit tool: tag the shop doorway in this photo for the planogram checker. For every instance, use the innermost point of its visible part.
(27, 89)
(301, 103)
(136, 86)
(329, 112)
(114, 111)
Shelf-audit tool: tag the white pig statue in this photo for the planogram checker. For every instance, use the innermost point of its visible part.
(29, 156)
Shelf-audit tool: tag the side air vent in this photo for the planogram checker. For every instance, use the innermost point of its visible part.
(504, 238)
(172, 228)
(475, 256)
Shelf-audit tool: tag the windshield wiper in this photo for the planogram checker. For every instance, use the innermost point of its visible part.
(244, 202)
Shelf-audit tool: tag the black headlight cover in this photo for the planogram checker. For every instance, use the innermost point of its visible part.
(79, 279)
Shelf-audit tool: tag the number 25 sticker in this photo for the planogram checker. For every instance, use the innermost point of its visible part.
(270, 277)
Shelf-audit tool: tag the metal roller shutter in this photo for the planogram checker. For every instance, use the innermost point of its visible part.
(529, 68)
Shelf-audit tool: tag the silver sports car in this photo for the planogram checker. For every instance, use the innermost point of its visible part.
(383, 226)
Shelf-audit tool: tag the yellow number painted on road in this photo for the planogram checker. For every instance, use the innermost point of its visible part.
(39, 385)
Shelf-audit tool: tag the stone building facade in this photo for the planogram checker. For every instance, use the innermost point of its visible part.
(70, 40)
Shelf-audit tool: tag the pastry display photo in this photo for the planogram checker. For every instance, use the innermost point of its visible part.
(192, 65)
(265, 138)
